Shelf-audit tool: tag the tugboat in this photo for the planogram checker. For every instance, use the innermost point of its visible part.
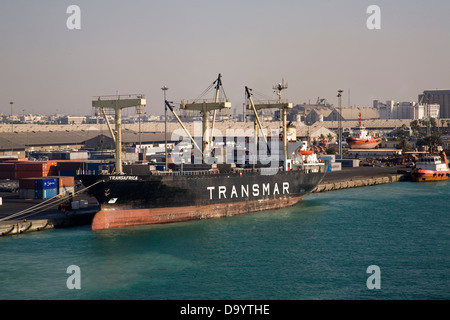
(431, 168)
(214, 191)
(361, 139)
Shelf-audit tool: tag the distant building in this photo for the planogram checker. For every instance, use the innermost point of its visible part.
(406, 110)
(300, 112)
(73, 120)
(353, 113)
(440, 97)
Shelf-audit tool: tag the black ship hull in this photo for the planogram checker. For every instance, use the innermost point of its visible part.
(127, 200)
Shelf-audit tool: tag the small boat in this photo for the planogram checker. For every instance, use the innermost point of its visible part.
(361, 139)
(431, 168)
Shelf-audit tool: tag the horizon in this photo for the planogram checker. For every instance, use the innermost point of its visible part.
(317, 47)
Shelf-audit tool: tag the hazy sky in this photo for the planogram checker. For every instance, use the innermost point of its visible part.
(317, 46)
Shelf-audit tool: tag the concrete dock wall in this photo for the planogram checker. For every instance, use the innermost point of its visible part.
(355, 183)
(61, 221)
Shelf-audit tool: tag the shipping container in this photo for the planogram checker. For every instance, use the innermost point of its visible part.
(66, 182)
(66, 191)
(46, 193)
(83, 155)
(70, 165)
(6, 166)
(32, 166)
(46, 183)
(353, 163)
(27, 183)
(336, 166)
(27, 194)
(8, 171)
(30, 174)
(67, 173)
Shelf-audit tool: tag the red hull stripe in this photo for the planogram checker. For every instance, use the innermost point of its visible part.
(106, 219)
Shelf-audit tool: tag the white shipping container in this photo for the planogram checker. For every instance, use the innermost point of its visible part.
(336, 166)
(66, 190)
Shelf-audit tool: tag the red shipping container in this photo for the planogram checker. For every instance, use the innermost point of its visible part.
(70, 165)
(30, 174)
(7, 167)
(32, 166)
(27, 183)
(7, 171)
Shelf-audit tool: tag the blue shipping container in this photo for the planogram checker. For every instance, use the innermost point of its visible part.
(93, 165)
(68, 173)
(46, 183)
(46, 193)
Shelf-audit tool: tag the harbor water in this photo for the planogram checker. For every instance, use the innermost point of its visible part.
(319, 249)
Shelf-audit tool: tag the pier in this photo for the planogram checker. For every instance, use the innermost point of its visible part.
(52, 218)
(362, 177)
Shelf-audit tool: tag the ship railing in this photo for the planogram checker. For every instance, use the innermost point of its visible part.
(184, 173)
(265, 171)
(118, 97)
(90, 172)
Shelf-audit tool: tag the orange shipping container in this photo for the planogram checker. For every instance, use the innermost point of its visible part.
(66, 182)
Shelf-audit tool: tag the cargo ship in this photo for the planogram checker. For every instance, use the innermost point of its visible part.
(360, 138)
(214, 191)
(431, 168)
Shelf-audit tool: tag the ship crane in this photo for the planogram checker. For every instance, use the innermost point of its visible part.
(205, 107)
(115, 104)
(279, 104)
(183, 126)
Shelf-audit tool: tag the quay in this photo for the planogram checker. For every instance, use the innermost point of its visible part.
(50, 218)
(361, 177)
(53, 218)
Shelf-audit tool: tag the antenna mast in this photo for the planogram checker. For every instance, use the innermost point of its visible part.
(280, 87)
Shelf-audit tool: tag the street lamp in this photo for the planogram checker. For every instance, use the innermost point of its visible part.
(340, 122)
(11, 119)
(164, 89)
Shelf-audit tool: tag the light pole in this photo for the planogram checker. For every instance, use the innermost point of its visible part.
(164, 89)
(11, 119)
(340, 122)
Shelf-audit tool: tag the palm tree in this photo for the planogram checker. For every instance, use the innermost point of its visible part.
(330, 137)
